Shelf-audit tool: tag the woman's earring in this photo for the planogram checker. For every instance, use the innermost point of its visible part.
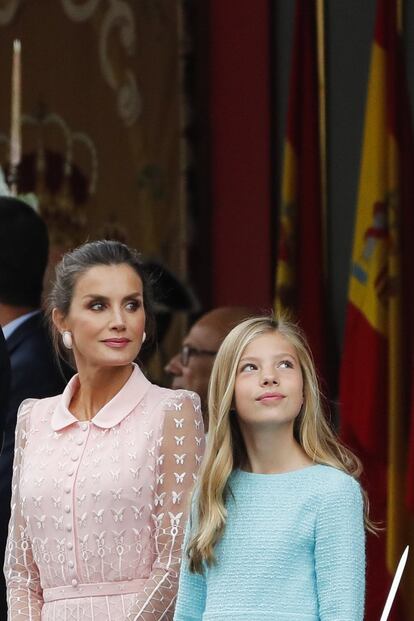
(144, 336)
(67, 339)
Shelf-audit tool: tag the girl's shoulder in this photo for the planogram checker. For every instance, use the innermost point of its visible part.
(317, 481)
(334, 476)
(332, 482)
(327, 475)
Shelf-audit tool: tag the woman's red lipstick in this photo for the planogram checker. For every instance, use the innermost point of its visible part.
(116, 343)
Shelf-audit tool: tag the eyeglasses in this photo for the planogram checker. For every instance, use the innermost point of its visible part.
(187, 351)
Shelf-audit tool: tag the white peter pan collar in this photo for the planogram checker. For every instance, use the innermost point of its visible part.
(113, 412)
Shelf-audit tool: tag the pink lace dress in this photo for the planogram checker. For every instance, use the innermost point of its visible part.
(99, 507)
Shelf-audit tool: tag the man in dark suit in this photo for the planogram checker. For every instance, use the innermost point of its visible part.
(24, 250)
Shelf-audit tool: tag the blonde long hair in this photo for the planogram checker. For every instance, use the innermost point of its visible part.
(225, 447)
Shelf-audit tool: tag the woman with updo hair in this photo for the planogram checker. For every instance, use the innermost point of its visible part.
(101, 472)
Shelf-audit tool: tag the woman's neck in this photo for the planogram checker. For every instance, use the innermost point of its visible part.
(272, 450)
(96, 388)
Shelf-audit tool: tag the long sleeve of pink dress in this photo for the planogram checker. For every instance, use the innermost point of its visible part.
(99, 507)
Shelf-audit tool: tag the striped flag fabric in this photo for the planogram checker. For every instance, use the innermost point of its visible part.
(374, 379)
(300, 286)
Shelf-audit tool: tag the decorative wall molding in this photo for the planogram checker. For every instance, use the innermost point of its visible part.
(8, 11)
(118, 16)
(80, 12)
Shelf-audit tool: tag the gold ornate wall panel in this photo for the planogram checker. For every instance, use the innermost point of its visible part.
(107, 72)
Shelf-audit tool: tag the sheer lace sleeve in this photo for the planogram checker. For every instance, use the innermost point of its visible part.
(179, 452)
(24, 593)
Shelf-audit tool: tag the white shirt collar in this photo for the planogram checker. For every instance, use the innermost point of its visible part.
(132, 392)
(10, 327)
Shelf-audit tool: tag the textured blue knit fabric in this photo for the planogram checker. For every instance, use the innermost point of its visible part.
(293, 550)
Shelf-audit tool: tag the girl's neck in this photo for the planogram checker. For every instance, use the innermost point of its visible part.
(273, 450)
(96, 388)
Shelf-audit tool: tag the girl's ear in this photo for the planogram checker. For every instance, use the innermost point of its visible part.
(58, 320)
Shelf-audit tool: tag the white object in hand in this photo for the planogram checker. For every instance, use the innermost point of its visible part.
(394, 586)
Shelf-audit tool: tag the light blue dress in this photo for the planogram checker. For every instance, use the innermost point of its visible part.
(293, 550)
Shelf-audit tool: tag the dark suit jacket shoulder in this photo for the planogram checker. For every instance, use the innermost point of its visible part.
(34, 369)
(4, 384)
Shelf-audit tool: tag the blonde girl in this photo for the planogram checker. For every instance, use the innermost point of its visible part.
(277, 529)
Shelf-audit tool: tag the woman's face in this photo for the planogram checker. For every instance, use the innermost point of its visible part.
(106, 316)
(269, 382)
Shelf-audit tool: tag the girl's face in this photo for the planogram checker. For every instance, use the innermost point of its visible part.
(106, 316)
(269, 382)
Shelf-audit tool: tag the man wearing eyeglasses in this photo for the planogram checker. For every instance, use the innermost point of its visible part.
(191, 367)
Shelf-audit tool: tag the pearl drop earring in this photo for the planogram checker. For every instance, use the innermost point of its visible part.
(67, 339)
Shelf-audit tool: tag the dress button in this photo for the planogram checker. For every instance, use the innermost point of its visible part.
(71, 564)
(84, 426)
(74, 583)
(70, 472)
(67, 508)
(79, 441)
(75, 457)
(69, 527)
(67, 489)
(69, 545)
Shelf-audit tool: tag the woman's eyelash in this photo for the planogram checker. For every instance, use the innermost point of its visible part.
(92, 305)
(100, 305)
(134, 303)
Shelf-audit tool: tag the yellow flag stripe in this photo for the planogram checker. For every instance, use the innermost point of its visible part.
(285, 270)
(369, 257)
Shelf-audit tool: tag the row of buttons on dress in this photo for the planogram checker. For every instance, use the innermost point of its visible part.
(68, 489)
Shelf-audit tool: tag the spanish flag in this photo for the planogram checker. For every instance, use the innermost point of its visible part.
(375, 369)
(300, 266)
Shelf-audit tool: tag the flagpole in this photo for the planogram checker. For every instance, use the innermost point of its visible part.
(321, 60)
(400, 17)
(394, 586)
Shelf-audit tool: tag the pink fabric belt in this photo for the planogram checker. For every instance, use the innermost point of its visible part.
(93, 590)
